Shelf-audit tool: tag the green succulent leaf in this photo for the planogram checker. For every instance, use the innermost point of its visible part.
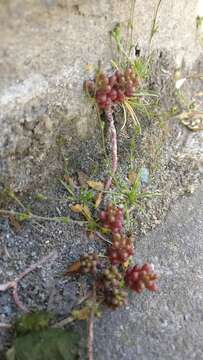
(32, 322)
(51, 344)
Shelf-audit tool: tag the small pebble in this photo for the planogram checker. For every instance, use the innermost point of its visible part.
(144, 176)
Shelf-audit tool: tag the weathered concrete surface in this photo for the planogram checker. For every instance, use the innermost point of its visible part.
(166, 325)
(44, 48)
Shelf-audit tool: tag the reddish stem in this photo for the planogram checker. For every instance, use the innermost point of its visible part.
(14, 283)
(100, 236)
(109, 116)
(90, 342)
(91, 336)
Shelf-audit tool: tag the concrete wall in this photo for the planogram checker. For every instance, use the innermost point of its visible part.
(45, 47)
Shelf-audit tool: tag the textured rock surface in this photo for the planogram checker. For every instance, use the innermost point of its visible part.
(45, 46)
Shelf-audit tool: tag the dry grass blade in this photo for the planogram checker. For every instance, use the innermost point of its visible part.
(96, 185)
(132, 114)
(125, 117)
(115, 65)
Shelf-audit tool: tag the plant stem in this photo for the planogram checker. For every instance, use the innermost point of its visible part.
(63, 322)
(131, 27)
(102, 132)
(102, 238)
(153, 28)
(70, 319)
(38, 217)
(91, 327)
(109, 116)
(14, 283)
(90, 336)
(14, 197)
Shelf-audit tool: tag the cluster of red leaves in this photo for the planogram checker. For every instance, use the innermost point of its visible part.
(112, 218)
(139, 278)
(121, 249)
(112, 277)
(114, 89)
(136, 278)
(122, 245)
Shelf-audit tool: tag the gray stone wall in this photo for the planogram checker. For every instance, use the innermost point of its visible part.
(46, 47)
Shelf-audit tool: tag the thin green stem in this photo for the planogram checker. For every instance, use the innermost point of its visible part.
(30, 216)
(14, 197)
(132, 22)
(67, 188)
(153, 27)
